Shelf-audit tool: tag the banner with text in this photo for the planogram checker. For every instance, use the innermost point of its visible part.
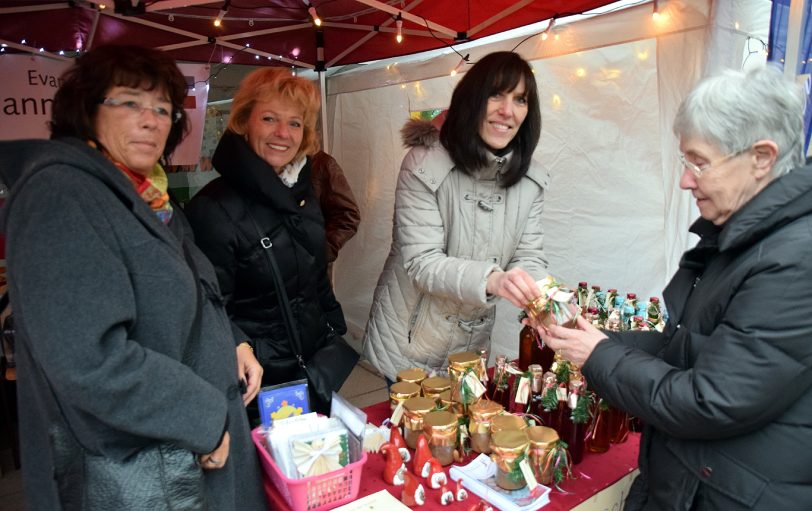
(30, 82)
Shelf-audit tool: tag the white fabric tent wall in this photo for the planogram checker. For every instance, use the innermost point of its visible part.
(610, 85)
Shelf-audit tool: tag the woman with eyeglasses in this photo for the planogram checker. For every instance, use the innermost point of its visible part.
(129, 372)
(725, 391)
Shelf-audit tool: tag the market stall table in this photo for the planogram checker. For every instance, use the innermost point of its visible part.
(594, 474)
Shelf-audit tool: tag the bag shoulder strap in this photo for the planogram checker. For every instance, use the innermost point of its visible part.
(281, 293)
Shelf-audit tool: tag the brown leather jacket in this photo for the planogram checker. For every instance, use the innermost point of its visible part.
(341, 214)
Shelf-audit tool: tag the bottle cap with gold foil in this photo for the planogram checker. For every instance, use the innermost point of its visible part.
(435, 385)
(509, 440)
(542, 437)
(419, 405)
(404, 390)
(439, 419)
(463, 360)
(414, 375)
(485, 409)
(507, 422)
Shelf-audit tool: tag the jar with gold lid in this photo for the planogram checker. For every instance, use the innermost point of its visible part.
(441, 429)
(507, 422)
(401, 391)
(508, 449)
(460, 364)
(434, 386)
(413, 375)
(479, 427)
(542, 440)
(413, 411)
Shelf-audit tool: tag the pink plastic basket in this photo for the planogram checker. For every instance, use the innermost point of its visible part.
(317, 493)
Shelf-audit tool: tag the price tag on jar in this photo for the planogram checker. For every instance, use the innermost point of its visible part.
(527, 472)
(472, 380)
(397, 414)
(523, 390)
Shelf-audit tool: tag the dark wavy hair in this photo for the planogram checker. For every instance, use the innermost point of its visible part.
(496, 72)
(85, 84)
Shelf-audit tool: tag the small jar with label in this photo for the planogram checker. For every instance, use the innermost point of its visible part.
(414, 375)
(542, 439)
(401, 391)
(507, 422)
(479, 427)
(508, 449)
(459, 365)
(441, 429)
(434, 386)
(413, 411)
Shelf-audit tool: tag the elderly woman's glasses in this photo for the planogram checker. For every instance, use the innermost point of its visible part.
(699, 170)
(128, 105)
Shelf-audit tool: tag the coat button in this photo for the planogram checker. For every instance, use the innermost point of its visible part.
(420, 171)
(433, 181)
(301, 203)
(706, 472)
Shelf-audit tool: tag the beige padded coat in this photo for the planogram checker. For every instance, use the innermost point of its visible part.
(451, 230)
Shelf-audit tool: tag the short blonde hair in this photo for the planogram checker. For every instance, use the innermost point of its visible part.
(277, 83)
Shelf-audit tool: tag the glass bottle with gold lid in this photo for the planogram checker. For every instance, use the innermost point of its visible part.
(413, 375)
(441, 429)
(401, 391)
(479, 427)
(413, 411)
(508, 449)
(542, 440)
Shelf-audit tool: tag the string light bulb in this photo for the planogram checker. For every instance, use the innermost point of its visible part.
(222, 14)
(655, 15)
(399, 25)
(313, 14)
(546, 33)
(461, 63)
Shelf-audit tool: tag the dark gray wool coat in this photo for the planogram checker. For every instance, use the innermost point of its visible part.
(725, 390)
(104, 302)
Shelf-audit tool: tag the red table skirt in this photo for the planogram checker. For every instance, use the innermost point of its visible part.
(595, 473)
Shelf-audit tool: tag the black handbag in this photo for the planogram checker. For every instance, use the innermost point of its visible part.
(331, 365)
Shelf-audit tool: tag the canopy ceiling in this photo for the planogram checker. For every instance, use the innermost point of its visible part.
(279, 32)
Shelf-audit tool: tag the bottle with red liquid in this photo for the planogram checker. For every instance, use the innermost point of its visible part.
(499, 388)
(548, 404)
(575, 422)
(533, 350)
(598, 440)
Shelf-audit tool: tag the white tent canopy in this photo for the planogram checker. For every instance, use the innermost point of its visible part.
(610, 86)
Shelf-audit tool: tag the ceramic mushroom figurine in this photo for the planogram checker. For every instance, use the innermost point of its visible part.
(446, 495)
(394, 469)
(436, 476)
(396, 438)
(413, 492)
(422, 453)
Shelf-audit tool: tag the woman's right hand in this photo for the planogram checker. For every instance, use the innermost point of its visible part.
(514, 285)
(218, 457)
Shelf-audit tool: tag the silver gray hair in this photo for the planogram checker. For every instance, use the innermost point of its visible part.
(734, 110)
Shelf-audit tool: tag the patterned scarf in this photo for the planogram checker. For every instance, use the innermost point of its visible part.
(151, 188)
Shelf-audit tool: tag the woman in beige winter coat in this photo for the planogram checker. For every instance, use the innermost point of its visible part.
(467, 222)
